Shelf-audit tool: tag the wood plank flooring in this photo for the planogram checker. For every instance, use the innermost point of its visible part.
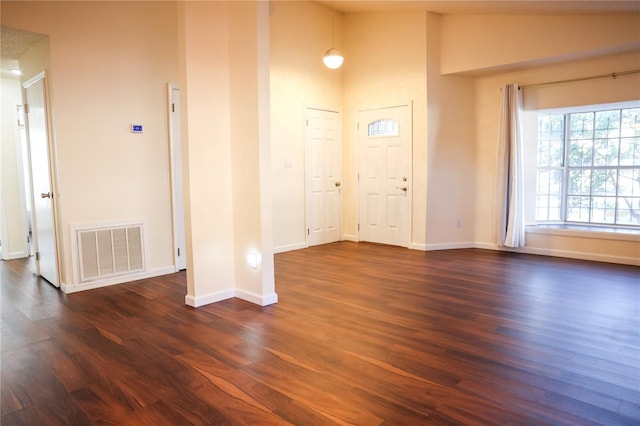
(362, 334)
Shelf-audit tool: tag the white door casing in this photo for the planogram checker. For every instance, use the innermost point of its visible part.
(177, 200)
(323, 175)
(384, 175)
(41, 160)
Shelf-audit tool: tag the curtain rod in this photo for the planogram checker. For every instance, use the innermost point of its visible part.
(593, 77)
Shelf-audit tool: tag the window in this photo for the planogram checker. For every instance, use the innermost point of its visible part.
(383, 128)
(588, 168)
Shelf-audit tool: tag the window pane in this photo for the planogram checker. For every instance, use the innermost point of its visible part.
(608, 124)
(555, 207)
(579, 182)
(542, 207)
(580, 152)
(629, 183)
(581, 125)
(383, 128)
(604, 182)
(629, 211)
(630, 151)
(556, 153)
(550, 140)
(606, 152)
(630, 126)
(543, 153)
(603, 209)
(551, 126)
(578, 209)
(542, 182)
(555, 182)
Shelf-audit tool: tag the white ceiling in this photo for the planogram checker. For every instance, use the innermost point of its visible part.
(539, 7)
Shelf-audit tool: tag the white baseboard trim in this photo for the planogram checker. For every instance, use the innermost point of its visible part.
(252, 297)
(418, 246)
(289, 247)
(449, 246)
(594, 257)
(66, 288)
(16, 255)
(486, 246)
(207, 299)
(219, 296)
(348, 237)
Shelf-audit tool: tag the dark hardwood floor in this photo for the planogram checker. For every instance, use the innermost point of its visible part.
(363, 334)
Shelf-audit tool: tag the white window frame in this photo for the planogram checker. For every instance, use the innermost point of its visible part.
(565, 167)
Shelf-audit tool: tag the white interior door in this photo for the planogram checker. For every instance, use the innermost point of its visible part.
(323, 176)
(180, 254)
(44, 226)
(384, 175)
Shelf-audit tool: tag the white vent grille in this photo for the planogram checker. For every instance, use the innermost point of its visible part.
(110, 251)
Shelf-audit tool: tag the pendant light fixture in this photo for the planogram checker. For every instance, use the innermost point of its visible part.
(333, 57)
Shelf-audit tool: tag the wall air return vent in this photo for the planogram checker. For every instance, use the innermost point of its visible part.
(103, 252)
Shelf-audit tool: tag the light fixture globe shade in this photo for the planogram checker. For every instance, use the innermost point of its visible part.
(333, 58)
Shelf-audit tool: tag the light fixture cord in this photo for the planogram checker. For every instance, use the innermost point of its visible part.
(332, 24)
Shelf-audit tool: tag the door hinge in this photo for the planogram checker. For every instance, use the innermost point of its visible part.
(26, 108)
(308, 233)
(173, 107)
(37, 255)
(307, 123)
(358, 227)
(358, 125)
(178, 251)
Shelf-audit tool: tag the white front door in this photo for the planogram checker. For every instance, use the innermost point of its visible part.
(323, 176)
(180, 254)
(44, 227)
(384, 175)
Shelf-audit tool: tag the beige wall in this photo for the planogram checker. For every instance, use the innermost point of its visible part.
(251, 150)
(300, 33)
(386, 65)
(451, 150)
(226, 123)
(206, 114)
(110, 63)
(484, 43)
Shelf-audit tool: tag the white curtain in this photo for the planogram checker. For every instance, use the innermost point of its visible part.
(510, 226)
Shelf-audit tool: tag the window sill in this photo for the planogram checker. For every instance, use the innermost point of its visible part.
(586, 231)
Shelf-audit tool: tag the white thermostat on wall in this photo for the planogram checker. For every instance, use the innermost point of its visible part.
(136, 128)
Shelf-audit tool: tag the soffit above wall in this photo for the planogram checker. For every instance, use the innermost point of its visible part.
(525, 7)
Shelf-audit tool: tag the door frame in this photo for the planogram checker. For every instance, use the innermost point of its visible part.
(307, 201)
(177, 194)
(408, 104)
(53, 173)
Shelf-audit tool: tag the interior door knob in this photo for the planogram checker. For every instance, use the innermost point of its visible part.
(402, 188)
(45, 195)
(338, 184)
